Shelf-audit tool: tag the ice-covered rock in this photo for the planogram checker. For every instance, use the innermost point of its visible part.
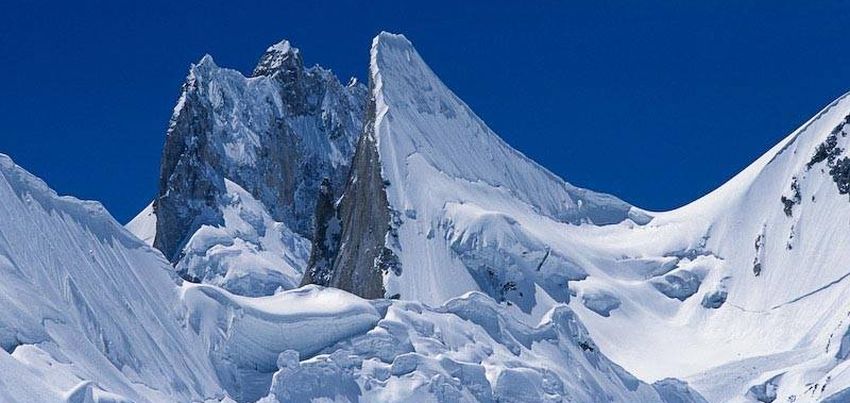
(276, 135)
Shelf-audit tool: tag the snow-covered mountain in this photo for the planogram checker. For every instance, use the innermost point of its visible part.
(93, 314)
(741, 291)
(241, 169)
(456, 268)
(424, 164)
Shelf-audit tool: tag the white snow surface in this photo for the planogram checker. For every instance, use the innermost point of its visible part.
(250, 254)
(443, 164)
(143, 225)
(93, 314)
(468, 350)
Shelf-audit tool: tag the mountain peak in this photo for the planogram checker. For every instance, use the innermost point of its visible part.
(205, 64)
(390, 39)
(283, 47)
(281, 56)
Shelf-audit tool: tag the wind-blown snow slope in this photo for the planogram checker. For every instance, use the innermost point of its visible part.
(87, 309)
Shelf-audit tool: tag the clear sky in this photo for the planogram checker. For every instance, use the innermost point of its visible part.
(655, 102)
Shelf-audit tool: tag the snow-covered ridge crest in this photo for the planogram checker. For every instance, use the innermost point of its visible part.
(90, 213)
(457, 143)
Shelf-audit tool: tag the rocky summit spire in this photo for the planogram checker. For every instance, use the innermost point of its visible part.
(279, 58)
(242, 167)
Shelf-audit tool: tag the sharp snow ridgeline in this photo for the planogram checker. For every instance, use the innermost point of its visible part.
(314, 241)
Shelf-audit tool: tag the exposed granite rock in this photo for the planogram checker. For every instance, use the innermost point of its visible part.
(364, 216)
(326, 236)
(277, 135)
(788, 203)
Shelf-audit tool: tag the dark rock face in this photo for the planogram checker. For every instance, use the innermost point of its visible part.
(188, 188)
(839, 169)
(364, 215)
(788, 203)
(841, 175)
(326, 235)
(757, 260)
(277, 135)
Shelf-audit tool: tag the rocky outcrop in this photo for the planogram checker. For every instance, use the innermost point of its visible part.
(364, 216)
(277, 135)
(326, 235)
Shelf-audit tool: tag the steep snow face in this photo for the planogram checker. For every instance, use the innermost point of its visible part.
(143, 225)
(437, 158)
(423, 129)
(87, 308)
(275, 135)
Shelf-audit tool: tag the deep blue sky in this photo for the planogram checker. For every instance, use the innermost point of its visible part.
(655, 102)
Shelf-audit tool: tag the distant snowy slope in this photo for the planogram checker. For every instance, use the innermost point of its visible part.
(83, 300)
